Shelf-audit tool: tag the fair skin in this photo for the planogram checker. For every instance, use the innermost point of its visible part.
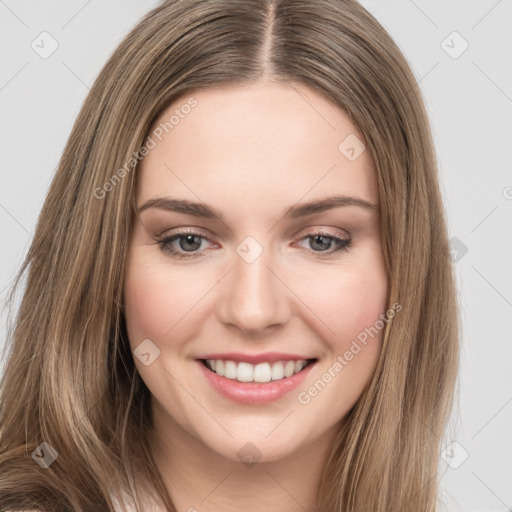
(252, 152)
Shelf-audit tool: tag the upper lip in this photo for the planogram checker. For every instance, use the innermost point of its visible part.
(267, 357)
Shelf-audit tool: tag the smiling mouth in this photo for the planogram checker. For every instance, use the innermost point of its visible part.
(256, 373)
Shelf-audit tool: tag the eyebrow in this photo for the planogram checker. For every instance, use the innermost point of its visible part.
(293, 212)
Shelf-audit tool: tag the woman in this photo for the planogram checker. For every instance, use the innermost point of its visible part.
(239, 292)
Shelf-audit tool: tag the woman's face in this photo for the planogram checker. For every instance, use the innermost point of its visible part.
(266, 280)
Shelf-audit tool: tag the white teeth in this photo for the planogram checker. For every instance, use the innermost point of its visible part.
(262, 372)
(230, 370)
(298, 366)
(245, 372)
(289, 369)
(277, 371)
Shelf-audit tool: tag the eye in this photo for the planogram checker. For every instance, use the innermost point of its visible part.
(322, 242)
(189, 244)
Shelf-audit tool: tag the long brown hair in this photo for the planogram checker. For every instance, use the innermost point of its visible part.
(70, 380)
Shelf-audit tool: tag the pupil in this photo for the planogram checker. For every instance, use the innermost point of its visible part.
(189, 239)
(325, 245)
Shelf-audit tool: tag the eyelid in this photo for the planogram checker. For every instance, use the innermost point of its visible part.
(343, 242)
(333, 232)
(190, 229)
(304, 232)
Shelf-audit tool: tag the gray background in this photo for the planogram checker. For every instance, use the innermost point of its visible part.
(469, 98)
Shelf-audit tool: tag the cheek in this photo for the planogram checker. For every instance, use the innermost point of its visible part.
(158, 302)
(360, 299)
(352, 298)
(353, 304)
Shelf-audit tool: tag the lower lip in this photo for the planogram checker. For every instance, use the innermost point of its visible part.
(255, 393)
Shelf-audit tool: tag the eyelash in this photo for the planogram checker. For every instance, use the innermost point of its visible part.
(165, 243)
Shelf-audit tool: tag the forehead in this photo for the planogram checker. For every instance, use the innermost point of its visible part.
(255, 146)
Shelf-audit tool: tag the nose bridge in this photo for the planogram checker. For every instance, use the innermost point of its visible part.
(253, 297)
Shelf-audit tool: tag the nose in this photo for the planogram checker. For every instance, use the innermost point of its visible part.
(254, 298)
